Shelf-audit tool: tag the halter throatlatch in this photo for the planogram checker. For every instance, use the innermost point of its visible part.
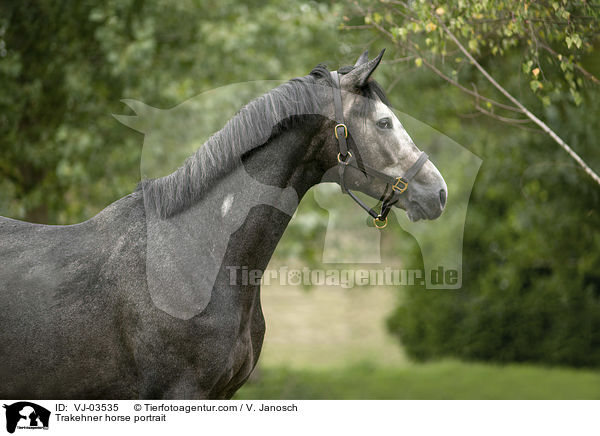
(398, 185)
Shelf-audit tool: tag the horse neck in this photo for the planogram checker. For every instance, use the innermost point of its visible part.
(284, 167)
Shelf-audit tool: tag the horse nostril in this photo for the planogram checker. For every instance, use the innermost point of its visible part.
(442, 197)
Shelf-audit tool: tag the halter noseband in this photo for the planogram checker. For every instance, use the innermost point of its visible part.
(398, 184)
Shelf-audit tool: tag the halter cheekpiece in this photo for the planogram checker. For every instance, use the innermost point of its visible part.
(395, 185)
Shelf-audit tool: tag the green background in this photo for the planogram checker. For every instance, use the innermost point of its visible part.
(526, 323)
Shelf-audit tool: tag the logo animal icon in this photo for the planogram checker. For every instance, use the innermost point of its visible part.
(25, 414)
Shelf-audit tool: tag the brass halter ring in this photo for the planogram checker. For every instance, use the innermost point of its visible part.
(377, 220)
(345, 130)
(400, 185)
(343, 161)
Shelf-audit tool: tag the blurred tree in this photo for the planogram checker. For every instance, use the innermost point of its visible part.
(531, 284)
(426, 32)
(64, 67)
(531, 287)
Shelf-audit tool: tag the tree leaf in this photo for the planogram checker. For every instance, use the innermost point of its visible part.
(535, 85)
(569, 41)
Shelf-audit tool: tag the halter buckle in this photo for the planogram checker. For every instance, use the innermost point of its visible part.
(379, 220)
(335, 130)
(400, 185)
(344, 162)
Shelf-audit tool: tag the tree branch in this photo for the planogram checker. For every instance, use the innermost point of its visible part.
(404, 59)
(440, 73)
(467, 90)
(517, 103)
(583, 71)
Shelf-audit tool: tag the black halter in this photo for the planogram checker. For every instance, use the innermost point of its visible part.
(345, 157)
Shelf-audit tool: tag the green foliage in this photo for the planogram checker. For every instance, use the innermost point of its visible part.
(553, 38)
(65, 66)
(436, 381)
(531, 287)
(531, 284)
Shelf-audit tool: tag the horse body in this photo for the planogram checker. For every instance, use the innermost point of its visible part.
(63, 290)
(94, 310)
(78, 321)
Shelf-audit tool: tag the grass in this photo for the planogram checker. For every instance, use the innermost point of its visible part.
(441, 380)
(332, 343)
(328, 327)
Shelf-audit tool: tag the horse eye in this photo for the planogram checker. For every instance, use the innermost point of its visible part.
(384, 123)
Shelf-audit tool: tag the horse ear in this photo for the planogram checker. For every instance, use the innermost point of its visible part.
(359, 76)
(362, 59)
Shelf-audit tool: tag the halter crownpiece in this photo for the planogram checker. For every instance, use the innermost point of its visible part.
(398, 185)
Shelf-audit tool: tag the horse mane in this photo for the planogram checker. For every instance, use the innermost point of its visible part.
(252, 126)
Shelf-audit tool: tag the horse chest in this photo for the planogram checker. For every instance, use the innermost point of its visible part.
(243, 352)
(210, 356)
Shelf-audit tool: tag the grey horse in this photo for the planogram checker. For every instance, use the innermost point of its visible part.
(138, 302)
